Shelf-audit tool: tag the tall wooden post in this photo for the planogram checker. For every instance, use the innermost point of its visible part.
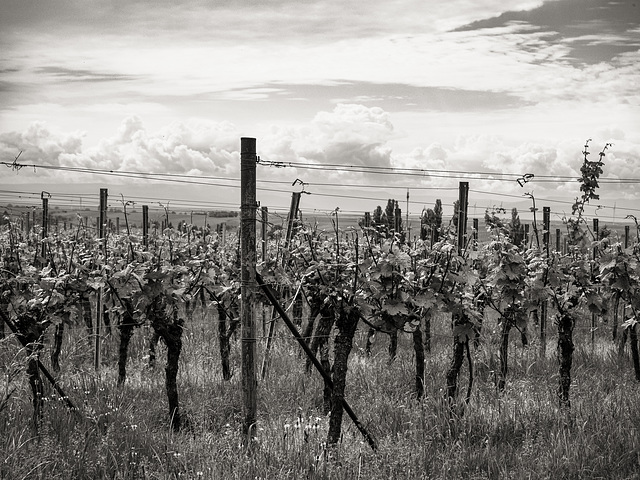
(263, 235)
(558, 237)
(546, 225)
(408, 227)
(594, 317)
(96, 330)
(248, 205)
(626, 236)
(45, 223)
(463, 203)
(145, 226)
(102, 221)
(223, 233)
(264, 218)
(293, 211)
(476, 227)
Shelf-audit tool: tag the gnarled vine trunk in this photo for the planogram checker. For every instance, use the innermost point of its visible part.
(635, 356)
(320, 342)
(346, 322)
(371, 335)
(169, 328)
(504, 352)
(125, 327)
(427, 331)
(35, 382)
(153, 343)
(30, 331)
(323, 330)
(565, 358)
(460, 341)
(224, 340)
(393, 344)
(418, 348)
(85, 304)
(57, 346)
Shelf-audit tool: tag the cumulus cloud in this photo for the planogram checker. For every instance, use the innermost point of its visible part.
(196, 147)
(40, 145)
(349, 134)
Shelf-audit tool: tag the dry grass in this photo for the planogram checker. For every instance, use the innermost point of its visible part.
(122, 433)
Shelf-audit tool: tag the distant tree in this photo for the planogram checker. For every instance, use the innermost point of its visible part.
(377, 216)
(431, 222)
(437, 210)
(390, 213)
(604, 232)
(516, 228)
(456, 207)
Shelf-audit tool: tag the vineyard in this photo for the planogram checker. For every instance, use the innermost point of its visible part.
(178, 352)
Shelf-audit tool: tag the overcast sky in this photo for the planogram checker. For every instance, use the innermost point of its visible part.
(445, 86)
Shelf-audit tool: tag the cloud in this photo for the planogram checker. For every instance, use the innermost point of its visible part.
(593, 31)
(233, 22)
(191, 148)
(40, 145)
(82, 75)
(349, 134)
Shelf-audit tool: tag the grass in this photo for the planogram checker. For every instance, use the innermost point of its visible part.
(122, 433)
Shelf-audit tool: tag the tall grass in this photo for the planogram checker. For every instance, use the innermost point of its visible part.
(123, 433)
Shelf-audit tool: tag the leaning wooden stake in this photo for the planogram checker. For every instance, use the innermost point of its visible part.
(316, 363)
(293, 210)
(248, 160)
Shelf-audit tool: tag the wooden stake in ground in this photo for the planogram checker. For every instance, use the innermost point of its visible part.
(248, 160)
(293, 209)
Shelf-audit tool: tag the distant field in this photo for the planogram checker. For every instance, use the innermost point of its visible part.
(321, 221)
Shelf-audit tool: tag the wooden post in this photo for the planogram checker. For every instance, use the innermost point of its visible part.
(558, 237)
(224, 233)
(546, 226)
(463, 203)
(408, 227)
(295, 203)
(264, 218)
(45, 223)
(248, 160)
(546, 220)
(293, 210)
(145, 226)
(117, 225)
(476, 227)
(526, 234)
(102, 221)
(594, 317)
(367, 219)
(263, 235)
(626, 236)
(96, 331)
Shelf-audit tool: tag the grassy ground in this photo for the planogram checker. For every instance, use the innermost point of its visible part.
(122, 433)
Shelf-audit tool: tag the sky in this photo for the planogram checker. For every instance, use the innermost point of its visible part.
(407, 95)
